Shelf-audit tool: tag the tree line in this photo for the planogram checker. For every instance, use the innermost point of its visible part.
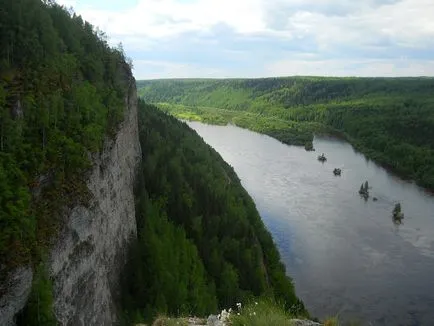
(62, 90)
(391, 120)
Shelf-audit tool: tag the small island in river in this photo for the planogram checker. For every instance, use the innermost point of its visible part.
(397, 214)
(322, 158)
(309, 147)
(364, 190)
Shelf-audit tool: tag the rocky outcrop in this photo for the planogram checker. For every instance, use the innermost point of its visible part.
(85, 264)
(216, 321)
(90, 251)
(14, 293)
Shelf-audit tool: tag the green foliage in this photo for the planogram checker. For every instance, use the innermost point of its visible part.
(14, 203)
(62, 89)
(201, 240)
(39, 308)
(391, 120)
(164, 273)
(268, 312)
(288, 132)
(263, 312)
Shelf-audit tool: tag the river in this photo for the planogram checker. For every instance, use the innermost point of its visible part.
(346, 255)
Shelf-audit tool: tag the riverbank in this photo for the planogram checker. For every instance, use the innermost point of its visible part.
(391, 120)
(287, 132)
(346, 255)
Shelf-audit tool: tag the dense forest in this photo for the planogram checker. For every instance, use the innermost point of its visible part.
(391, 120)
(62, 90)
(201, 242)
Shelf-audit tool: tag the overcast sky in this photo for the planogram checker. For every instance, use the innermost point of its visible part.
(258, 38)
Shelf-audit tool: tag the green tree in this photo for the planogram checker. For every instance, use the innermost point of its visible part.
(39, 308)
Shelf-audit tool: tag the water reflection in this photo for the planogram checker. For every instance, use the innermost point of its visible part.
(345, 254)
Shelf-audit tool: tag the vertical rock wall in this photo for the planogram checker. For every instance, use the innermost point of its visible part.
(86, 263)
(89, 254)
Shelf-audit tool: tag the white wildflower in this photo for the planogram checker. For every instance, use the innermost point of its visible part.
(224, 316)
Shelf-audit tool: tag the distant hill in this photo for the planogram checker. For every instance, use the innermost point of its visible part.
(391, 120)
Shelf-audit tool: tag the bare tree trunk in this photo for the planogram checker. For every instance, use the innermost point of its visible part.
(43, 138)
(1, 139)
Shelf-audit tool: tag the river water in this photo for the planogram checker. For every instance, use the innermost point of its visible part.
(345, 255)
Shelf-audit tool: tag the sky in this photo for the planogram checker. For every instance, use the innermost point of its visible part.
(263, 38)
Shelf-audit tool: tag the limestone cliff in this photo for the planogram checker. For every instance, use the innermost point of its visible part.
(86, 262)
(91, 249)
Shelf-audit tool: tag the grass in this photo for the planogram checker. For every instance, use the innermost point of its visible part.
(266, 312)
(333, 321)
(166, 321)
(263, 312)
(288, 132)
(189, 116)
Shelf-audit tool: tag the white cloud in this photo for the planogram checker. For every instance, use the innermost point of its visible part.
(148, 69)
(67, 3)
(326, 27)
(348, 67)
(162, 18)
(406, 23)
(405, 19)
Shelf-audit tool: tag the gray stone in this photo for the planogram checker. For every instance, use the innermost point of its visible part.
(86, 262)
(15, 291)
(90, 251)
(213, 321)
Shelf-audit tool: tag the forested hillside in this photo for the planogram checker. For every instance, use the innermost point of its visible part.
(389, 119)
(62, 90)
(201, 243)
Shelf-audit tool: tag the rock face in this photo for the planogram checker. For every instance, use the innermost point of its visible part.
(214, 320)
(14, 294)
(85, 264)
(89, 253)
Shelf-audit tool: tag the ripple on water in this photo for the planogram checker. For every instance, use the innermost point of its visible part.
(345, 254)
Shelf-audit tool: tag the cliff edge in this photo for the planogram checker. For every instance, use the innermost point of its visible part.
(85, 264)
(91, 249)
